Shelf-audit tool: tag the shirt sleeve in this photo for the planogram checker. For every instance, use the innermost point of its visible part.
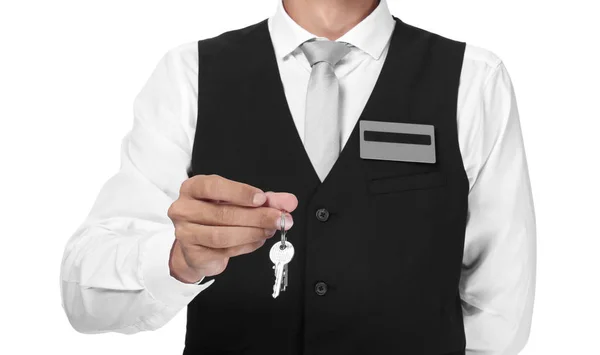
(498, 277)
(114, 272)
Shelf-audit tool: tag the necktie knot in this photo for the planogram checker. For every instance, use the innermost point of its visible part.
(324, 51)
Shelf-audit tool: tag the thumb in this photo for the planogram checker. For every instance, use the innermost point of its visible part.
(281, 200)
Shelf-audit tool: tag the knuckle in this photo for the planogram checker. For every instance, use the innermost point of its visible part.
(175, 211)
(186, 185)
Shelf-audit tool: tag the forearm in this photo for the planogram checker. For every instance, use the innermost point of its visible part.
(116, 278)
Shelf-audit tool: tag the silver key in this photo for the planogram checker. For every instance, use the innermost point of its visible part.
(285, 277)
(281, 257)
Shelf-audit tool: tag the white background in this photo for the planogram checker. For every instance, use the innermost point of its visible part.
(69, 71)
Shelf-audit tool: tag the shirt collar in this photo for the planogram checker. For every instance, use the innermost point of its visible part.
(370, 35)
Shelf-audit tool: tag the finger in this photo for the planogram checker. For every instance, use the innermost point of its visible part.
(215, 187)
(212, 214)
(281, 200)
(199, 257)
(219, 237)
(214, 267)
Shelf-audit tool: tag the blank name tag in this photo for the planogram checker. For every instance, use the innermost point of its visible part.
(408, 142)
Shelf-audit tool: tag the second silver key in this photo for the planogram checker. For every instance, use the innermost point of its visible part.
(281, 256)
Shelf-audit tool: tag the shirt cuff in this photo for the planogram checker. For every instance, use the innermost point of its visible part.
(155, 273)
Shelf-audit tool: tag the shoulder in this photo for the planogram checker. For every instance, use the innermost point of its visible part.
(475, 58)
(181, 61)
(228, 40)
(187, 53)
(479, 64)
(183, 55)
(476, 55)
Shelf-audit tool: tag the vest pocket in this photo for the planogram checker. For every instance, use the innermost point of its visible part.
(407, 182)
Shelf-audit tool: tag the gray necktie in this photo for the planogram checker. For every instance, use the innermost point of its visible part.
(322, 133)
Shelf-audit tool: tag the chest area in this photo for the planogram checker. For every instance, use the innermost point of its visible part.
(356, 76)
(251, 117)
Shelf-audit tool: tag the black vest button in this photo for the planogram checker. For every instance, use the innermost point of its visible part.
(320, 288)
(322, 214)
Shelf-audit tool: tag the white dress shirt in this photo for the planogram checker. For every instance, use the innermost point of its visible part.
(115, 274)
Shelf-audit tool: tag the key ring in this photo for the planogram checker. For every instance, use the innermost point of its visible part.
(283, 231)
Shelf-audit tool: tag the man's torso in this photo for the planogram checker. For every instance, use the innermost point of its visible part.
(389, 251)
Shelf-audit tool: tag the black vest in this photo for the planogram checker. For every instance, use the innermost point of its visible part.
(377, 268)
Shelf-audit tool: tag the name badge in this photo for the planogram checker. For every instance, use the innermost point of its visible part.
(407, 142)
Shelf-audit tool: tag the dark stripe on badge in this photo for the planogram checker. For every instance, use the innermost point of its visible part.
(392, 137)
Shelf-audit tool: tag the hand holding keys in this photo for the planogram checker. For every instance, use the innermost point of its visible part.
(281, 254)
(216, 219)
